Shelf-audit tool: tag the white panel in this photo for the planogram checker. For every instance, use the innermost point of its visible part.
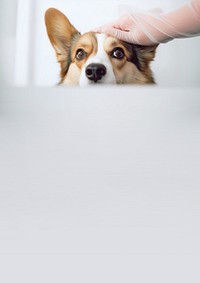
(24, 42)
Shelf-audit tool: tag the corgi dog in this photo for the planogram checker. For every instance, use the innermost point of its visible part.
(94, 58)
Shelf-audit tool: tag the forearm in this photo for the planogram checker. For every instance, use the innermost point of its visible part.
(148, 28)
(185, 21)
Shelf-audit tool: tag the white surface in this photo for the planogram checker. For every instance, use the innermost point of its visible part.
(100, 187)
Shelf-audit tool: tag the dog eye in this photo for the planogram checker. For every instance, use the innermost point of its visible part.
(118, 53)
(80, 54)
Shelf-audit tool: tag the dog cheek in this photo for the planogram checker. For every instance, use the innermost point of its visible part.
(120, 76)
(73, 75)
(118, 64)
(119, 71)
(80, 63)
(129, 74)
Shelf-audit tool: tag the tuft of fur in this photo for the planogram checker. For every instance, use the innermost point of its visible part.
(145, 56)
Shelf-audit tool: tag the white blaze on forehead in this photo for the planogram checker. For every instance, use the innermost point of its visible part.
(101, 56)
(100, 50)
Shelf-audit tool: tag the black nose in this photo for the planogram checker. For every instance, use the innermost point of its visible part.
(95, 71)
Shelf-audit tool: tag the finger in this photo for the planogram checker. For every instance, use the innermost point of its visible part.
(124, 35)
(117, 33)
(107, 29)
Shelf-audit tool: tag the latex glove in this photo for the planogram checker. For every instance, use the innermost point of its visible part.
(150, 28)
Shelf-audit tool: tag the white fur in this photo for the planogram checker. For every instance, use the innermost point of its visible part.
(102, 58)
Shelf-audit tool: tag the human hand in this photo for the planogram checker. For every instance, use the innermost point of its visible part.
(137, 28)
(153, 27)
(124, 29)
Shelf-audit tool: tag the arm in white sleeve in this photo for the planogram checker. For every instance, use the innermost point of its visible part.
(148, 28)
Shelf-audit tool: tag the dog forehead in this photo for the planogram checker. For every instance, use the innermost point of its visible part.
(100, 38)
(97, 42)
(99, 54)
(100, 44)
(87, 39)
(105, 42)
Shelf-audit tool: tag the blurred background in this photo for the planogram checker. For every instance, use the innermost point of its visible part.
(27, 57)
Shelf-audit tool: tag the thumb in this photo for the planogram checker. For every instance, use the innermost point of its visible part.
(115, 32)
(109, 30)
(104, 29)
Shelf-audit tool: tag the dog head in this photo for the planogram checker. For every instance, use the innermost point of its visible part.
(94, 58)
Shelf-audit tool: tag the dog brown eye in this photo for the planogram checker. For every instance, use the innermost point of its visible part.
(118, 53)
(80, 54)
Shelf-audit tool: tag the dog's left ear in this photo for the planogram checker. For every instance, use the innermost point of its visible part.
(61, 34)
(146, 54)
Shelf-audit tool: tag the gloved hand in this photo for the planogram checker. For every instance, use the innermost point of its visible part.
(150, 28)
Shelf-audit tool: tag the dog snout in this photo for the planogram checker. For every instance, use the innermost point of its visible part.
(95, 71)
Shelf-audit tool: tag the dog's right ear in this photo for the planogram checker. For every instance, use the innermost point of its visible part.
(61, 34)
